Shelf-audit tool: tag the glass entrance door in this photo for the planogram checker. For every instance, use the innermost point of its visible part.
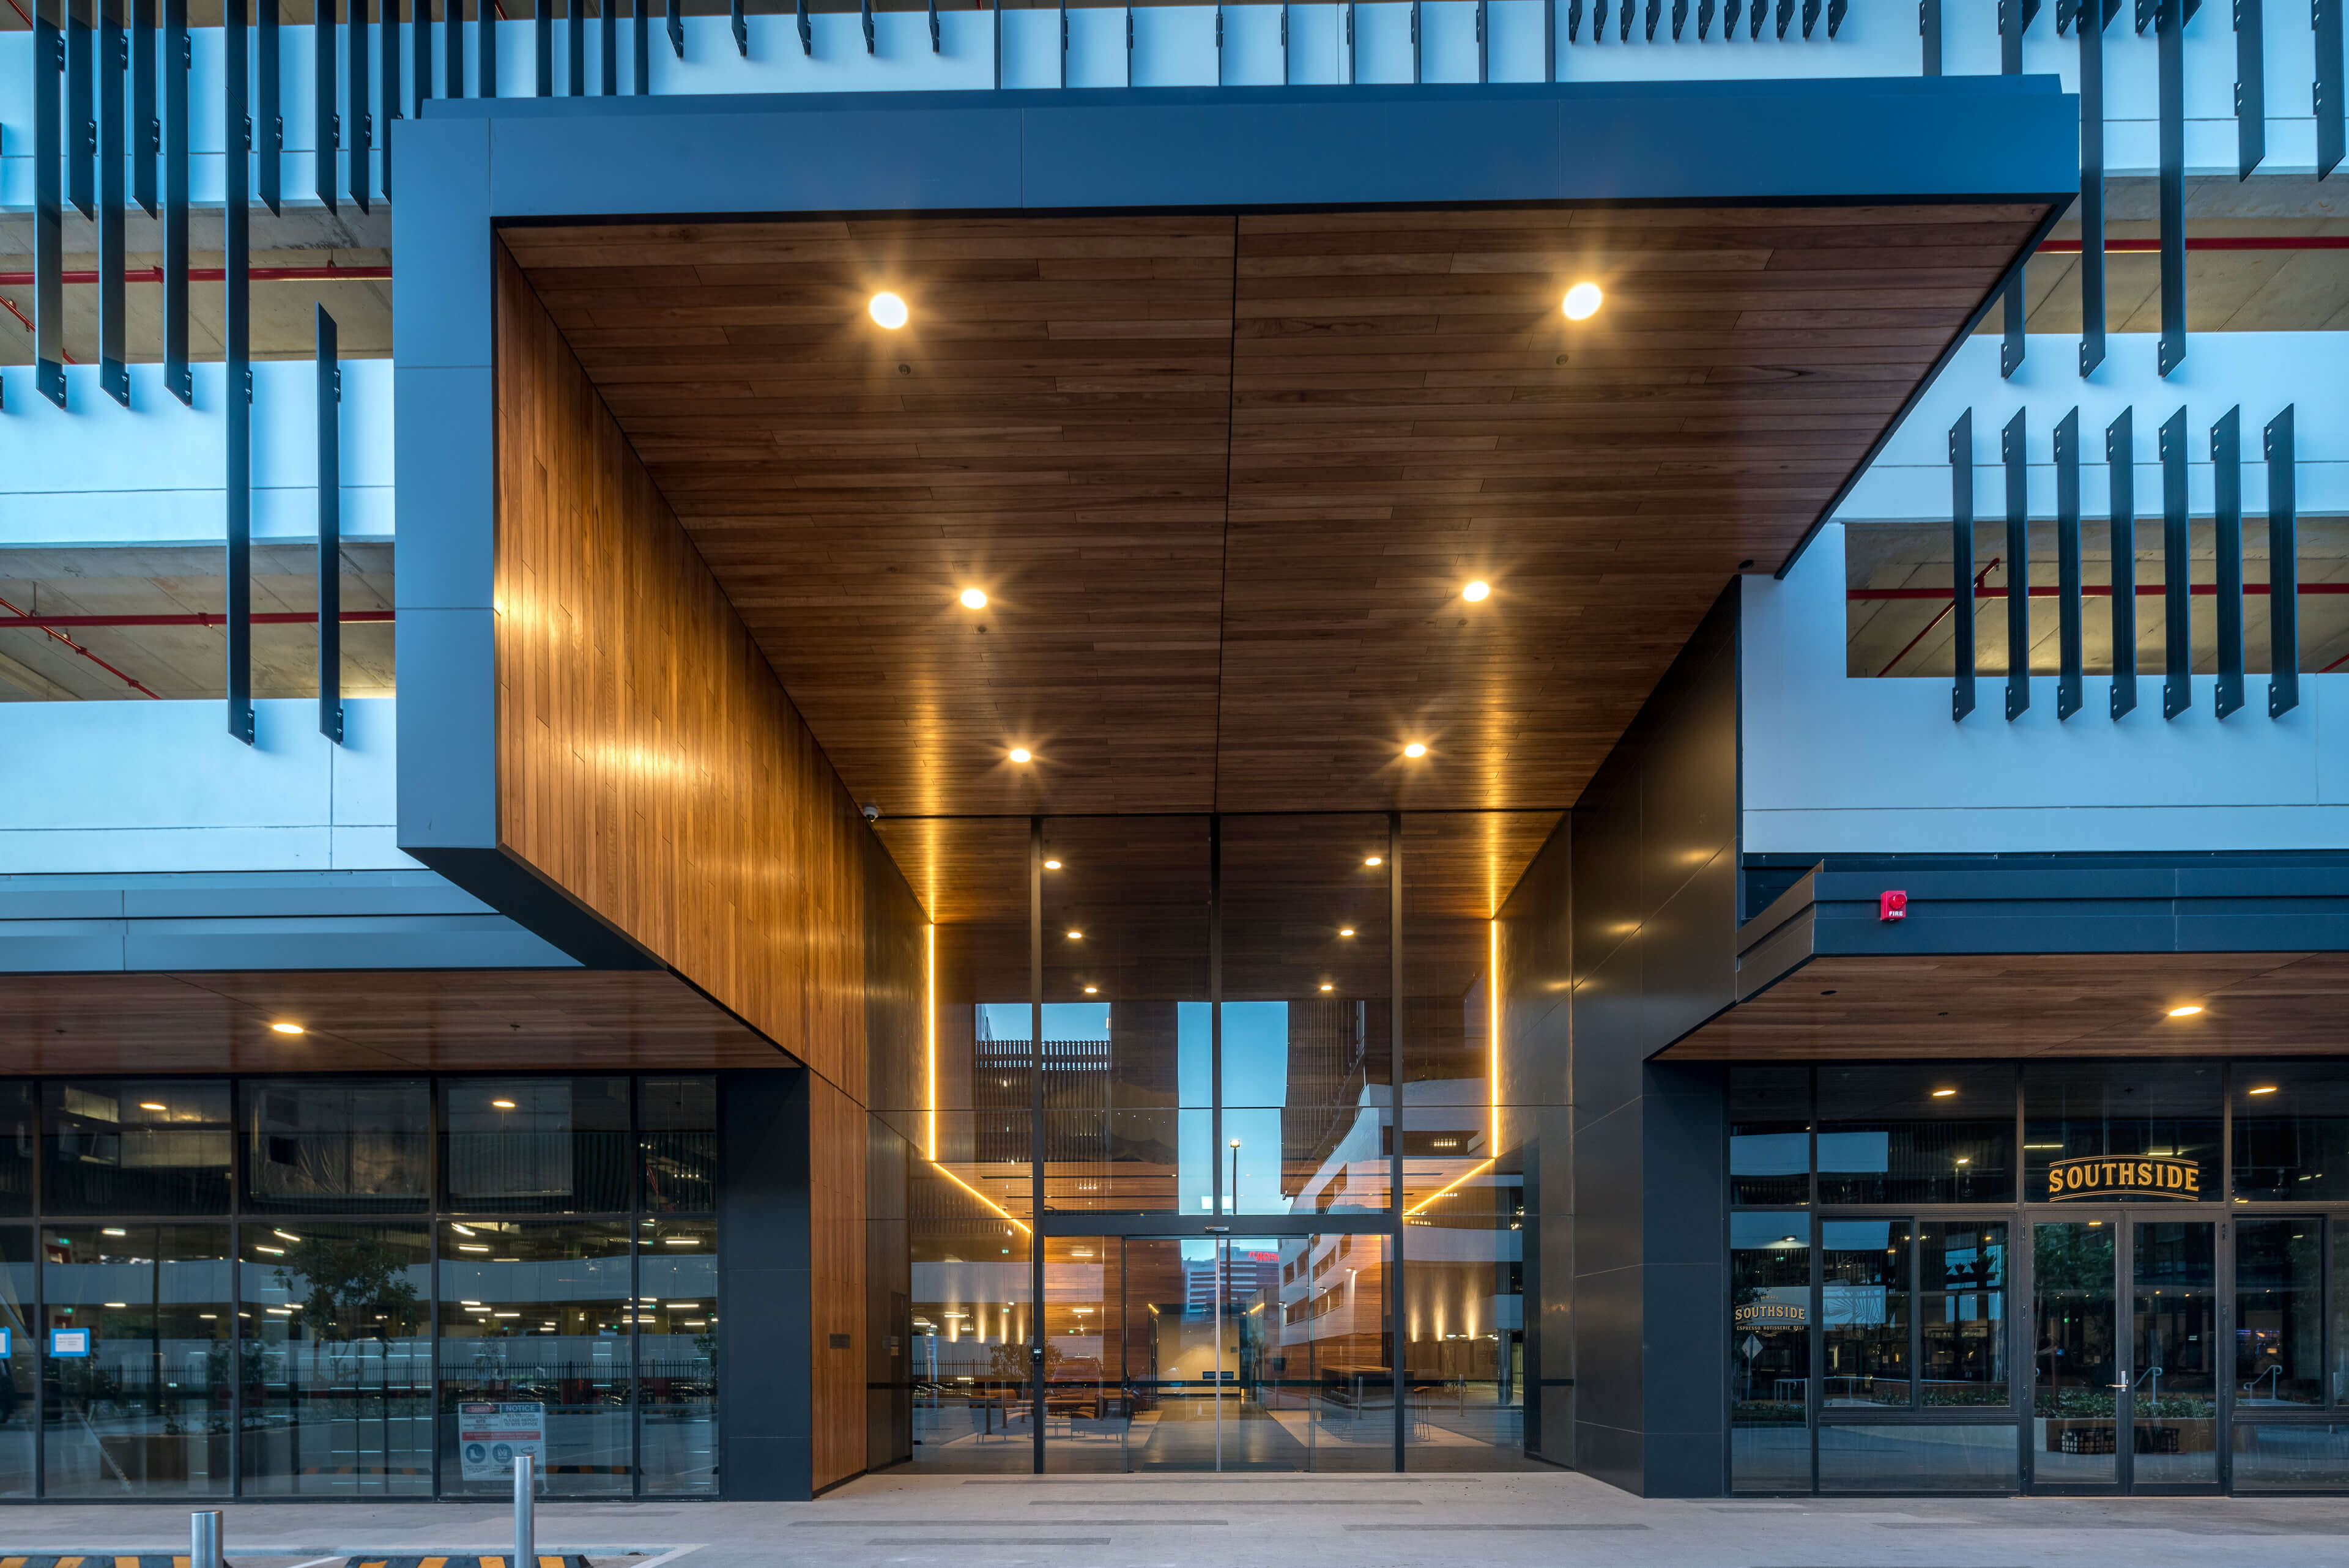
(1217, 1354)
(2124, 1328)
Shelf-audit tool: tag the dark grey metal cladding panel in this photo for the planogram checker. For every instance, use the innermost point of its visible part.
(766, 1280)
(1961, 565)
(1690, 968)
(418, 894)
(68, 903)
(2295, 930)
(2227, 534)
(2284, 566)
(1778, 954)
(2177, 568)
(1935, 883)
(2068, 661)
(2011, 443)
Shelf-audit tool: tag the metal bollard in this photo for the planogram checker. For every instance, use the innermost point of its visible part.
(525, 1495)
(204, 1539)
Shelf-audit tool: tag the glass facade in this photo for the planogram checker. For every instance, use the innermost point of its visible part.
(2096, 1195)
(1188, 1072)
(343, 1287)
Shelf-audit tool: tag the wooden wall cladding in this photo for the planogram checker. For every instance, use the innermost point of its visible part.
(649, 763)
(395, 1020)
(838, 1311)
(1966, 1007)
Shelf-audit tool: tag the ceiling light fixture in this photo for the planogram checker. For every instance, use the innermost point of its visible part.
(1415, 750)
(2264, 1089)
(1327, 986)
(1093, 990)
(1345, 931)
(502, 1104)
(1371, 860)
(153, 1105)
(2188, 1011)
(1019, 754)
(1474, 592)
(887, 310)
(974, 598)
(1075, 935)
(1582, 302)
(1943, 1093)
(1052, 865)
(287, 1028)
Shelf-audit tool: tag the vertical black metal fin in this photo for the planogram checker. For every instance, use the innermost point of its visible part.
(2009, 37)
(742, 28)
(1928, 28)
(1757, 12)
(236, 286)
(81, 114)
(145, 128)
(2067, 565)
(419, 36)
(2147, 10)
(48, 203)
(1730, 15)
(1786, 17)
(1655, 15)
(2227, 534)
(1679, 18)
(113, 167)
(1598, 20)
(325, 125)
(675, 21)
(2283, 567)
(362, 107)
(2010, 315)
(1573, 23)
(1704, 10)
(2331, 103)
(2171, 26)
(2017, 566)
(2092, 189)
(608, 69)
(1836, 9)
(388, 89)
(452, 47)
(2120, 460)
(2065, 11)
(576, 38)
(1625, 13)
(640, 28)
(269, 123)
(541, 31)
(938, 43)
(2250, 87)
(2177, 568)
(485, 64)
(330, 527)
(867, 20)
(1961, 565)
(1810, 16)
(176, 376)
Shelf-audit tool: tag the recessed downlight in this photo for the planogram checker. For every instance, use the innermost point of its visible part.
(1075, 935)
(888, 310)
(2263, 1089)
(1943, 1093)
(1416, 748)
(974, 598)
(1052, 865)
(1476, 591)
(1345, 931)
(1019, 754)
(2188, 1011)
(287, 1028)
(1582, 302)
(502, 1104)
(153, 1105)
(1373, 861)
(1093, 990)
(1326, 985)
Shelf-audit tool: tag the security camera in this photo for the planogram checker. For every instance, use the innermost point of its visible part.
(872, 812)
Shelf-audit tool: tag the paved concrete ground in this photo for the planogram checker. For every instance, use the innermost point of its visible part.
(1516, 1521)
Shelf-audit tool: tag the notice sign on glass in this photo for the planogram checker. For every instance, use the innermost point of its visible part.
(489, 1436)
(2093, 1176)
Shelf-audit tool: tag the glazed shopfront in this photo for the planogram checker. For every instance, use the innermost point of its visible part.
(2063, 1277)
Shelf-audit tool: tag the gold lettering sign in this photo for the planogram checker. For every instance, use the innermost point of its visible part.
(2148, 1176)
(1772, 1314)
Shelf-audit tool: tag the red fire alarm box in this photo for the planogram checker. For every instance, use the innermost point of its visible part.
(1891, 905)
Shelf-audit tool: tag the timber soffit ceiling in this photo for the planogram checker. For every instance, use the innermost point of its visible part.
(1223, 479)
(1859, 1006)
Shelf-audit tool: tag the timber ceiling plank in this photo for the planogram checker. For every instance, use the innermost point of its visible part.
(1967, 1005)
(369, 1021)
(1223, 478)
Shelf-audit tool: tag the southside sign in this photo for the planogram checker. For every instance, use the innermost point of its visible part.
(2093, 1176)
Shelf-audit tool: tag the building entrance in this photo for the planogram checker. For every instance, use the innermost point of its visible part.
(1220, 1352)
(2126, 1332)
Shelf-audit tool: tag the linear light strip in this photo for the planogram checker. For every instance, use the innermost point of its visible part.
(981, 1196)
